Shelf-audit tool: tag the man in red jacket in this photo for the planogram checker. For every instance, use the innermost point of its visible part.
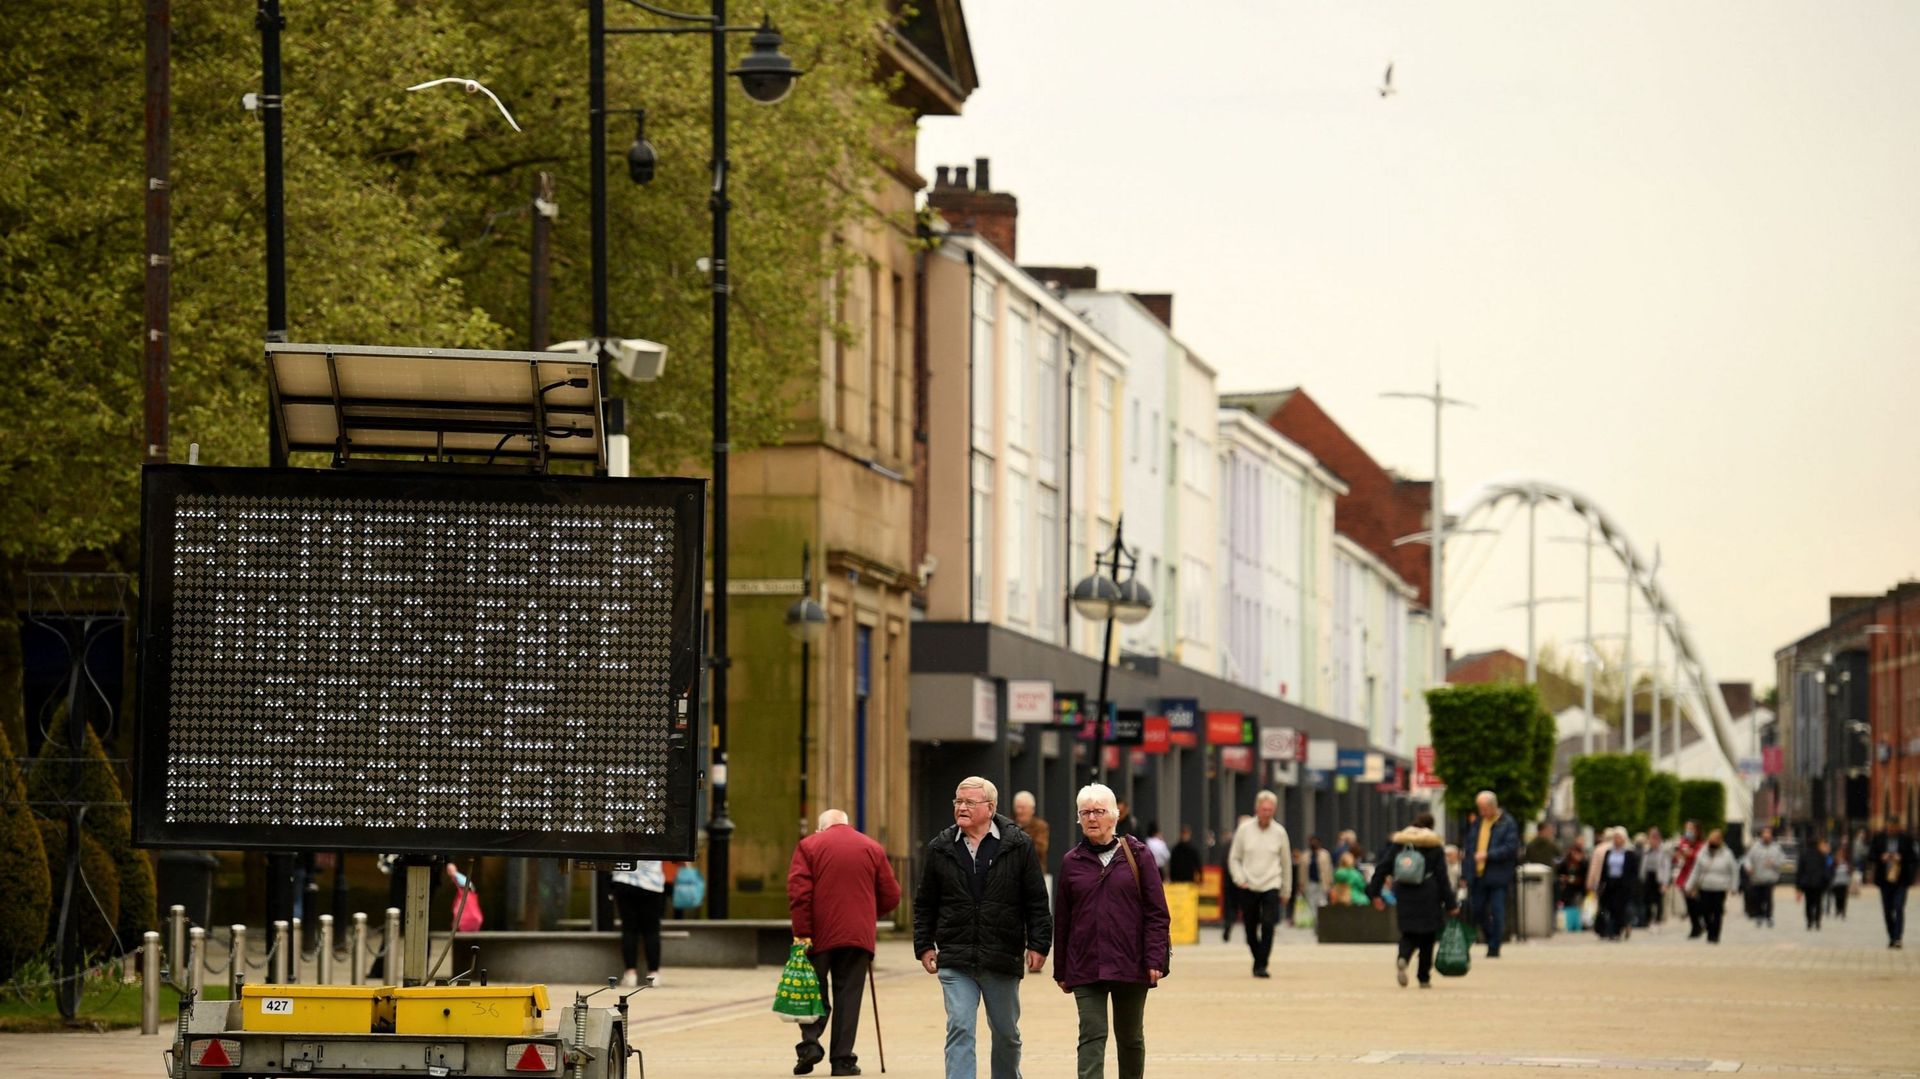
(838, 887)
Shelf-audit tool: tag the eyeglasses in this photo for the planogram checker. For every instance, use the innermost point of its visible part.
(962, 803)
(1093, 812)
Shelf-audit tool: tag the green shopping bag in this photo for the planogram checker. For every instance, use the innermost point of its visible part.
(1455, 954)
(1303, 913)
(797, 1000)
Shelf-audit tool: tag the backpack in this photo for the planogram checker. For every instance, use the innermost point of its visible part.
(1410, 867)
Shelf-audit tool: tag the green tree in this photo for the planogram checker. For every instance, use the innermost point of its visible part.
(25, 891)
(1662, 804)
(60, 775)
(1704, 800)
(1610, 789)
(1493, 737)
(96, 892)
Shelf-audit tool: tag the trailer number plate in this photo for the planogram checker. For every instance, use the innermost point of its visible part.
(276, 1005)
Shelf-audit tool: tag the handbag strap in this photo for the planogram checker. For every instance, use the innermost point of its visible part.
(1127, 850)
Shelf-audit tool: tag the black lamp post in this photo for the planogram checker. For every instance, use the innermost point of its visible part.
(807, 622)
(767, 76)
(1111, 593)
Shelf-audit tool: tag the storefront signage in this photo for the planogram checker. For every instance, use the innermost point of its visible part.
(1423, 774)
(1351, 762)
(1278, 744)
(1029, 701)
(1237, 758)
(1376, 769)
(1226, 729)
(1156, 735)
(1322, 754)
(1129, 726)
(986, 710)
(1183, 713)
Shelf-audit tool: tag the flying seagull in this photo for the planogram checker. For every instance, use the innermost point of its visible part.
(1386, 86)
(473, 87)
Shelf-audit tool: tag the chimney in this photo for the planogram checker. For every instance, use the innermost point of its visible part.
(969, 205)
(1159, 304)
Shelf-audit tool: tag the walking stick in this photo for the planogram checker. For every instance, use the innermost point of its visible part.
(874, 996)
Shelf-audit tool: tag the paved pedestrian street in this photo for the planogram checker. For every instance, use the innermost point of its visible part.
(1773, 1002)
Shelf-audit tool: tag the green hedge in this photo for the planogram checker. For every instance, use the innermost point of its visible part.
(1495, 737)
(25, 888)
(1704, 800)
(96, 898)
(59, 775)
(1662, 804)
(1610, 789)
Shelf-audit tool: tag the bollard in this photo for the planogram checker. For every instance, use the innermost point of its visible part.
(277, 966)
(196, 960)
(390, 948)
(323, 953)
(177, 945)
(357, 949)
(236, 961)
(150, 982)
(294, 956)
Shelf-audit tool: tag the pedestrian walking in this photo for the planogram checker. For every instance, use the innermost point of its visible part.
(838, 884)
(1035, 826)
(1891, 863)
(1157, 844)
(1415, 862)
(1319, 872)
(1111, 941)
(1184, 859)
(980, 924)
(1811, 880)
(1656, 873)
(1349, 884)
(1686, 853)
(1762, 862)
(1714, 873)
(1841, 886)
(640, 895)
(1616, 871)
(1495, 848)
(1260, 863)
(1542, 849)
(1571, 876)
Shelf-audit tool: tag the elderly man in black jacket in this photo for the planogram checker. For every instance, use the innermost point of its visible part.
(980, 922)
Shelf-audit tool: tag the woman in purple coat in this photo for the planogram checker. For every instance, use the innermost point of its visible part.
(1110, 934)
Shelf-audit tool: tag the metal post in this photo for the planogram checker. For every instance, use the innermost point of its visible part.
(419, 883)
(298, 940)
(323, 954)
(268, 21)
(540, 275)
(806, 670)
(196, 977)
(1533, 605)
(277, 969)
(597, 159)
(357, 948)
(1626, 661)
(177, 943)
(150, 982)
(236, 960)
(1586, 732)
(1100, 713)
(1436, 544)
(719, 825)
(390, 948)
(1653, 674)
(159, 211)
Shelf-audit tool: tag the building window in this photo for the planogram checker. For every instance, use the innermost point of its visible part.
(1103, 446)
(1048, 590)
(1014, 384)
(1133, 429)
(1153, 444)
(984, 405)
(902, 363)
(1017, 551)
(982, 534)
(1046, 401)
(878, 360)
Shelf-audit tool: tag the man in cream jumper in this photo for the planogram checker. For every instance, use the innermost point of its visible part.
(1260, 862)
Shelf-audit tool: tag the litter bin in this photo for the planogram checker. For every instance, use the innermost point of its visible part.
(1536, 902)
(186, 878)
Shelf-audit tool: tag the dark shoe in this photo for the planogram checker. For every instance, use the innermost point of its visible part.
(1493, 955)
(809, 1055)
(846, 1069)
(1426, 985)
(1400, 972)
(1261, 972)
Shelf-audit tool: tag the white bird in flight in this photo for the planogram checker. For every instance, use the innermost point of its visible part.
(473, 87)
(1386, 86)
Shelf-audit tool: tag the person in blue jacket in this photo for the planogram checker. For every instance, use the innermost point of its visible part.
(1490, 845)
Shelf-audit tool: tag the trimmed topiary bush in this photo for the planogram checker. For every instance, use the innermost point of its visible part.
(1704, 800)
(96, 901)
(1662, 809)
(25, 888)
(139, 894)
(1493, 737)
(87, 776)
(1610, 789)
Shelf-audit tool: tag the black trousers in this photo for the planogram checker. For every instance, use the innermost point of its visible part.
(1655, 899)
(1617, 897)
(640, 912)
(1229, 908)
(1893, 907)
(843, 982)
(1816, 901)
(1839, 895)
(1423, 943)
(1695, 922)
(1713, 907)
(1760, 901)
(1258, 912)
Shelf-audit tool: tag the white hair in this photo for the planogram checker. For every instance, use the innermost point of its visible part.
(1023, 798)
(1266, 796)
(1097, 794)
(829, 818)
(984, 786)
(1489, 796)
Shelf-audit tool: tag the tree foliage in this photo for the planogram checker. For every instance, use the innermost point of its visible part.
(1493, 737)
(1610, 789)
(96, 892)
(406, 218)
(1704, 800)
(1662, 804)
(25, 891)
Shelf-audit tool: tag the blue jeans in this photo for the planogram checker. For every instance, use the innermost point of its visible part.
(1893, 905)
(964, 993)
(1490, 913)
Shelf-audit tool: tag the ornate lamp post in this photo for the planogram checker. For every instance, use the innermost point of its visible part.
(1111, 593)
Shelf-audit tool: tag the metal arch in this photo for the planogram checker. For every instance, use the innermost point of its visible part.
(1702, 691)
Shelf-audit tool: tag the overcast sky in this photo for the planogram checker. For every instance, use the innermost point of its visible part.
(1670, 251)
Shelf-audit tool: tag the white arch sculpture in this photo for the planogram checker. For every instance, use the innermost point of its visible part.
(1702, 692)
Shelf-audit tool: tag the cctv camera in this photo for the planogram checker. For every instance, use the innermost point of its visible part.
(636, 358)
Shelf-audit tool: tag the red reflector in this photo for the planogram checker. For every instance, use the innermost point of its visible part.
(534, 1057)
(213, 1054)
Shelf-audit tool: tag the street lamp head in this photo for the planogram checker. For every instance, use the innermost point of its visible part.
(1134, 603)
(806, 621)
(766, 74)
(640, 156)
(1096, 597)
